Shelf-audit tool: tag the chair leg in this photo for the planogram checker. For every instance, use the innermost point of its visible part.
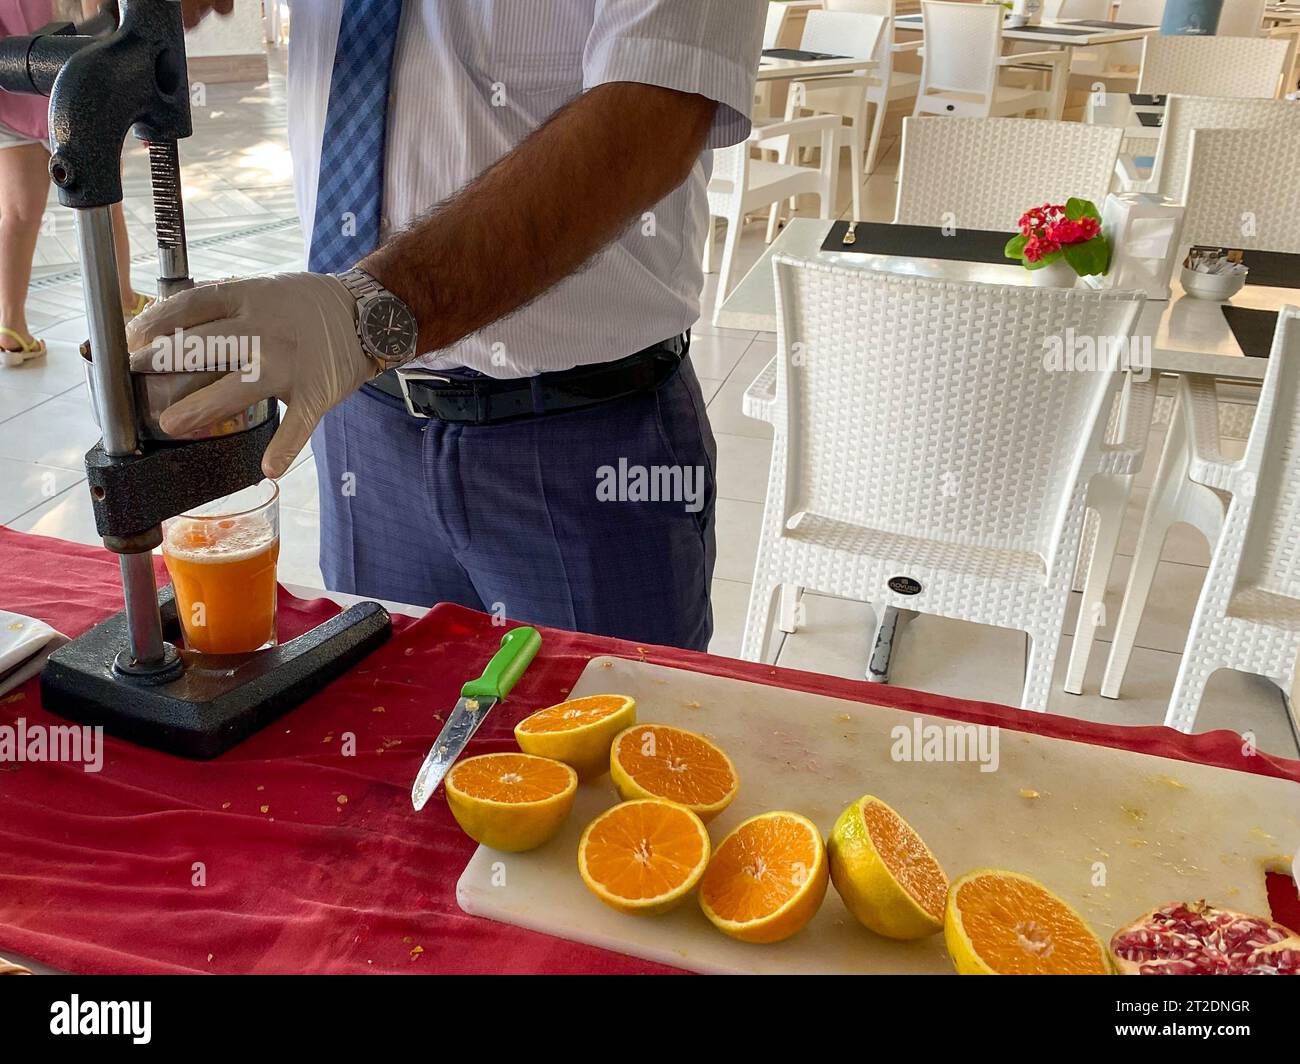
(1162, 511)
(773, 221)
(729, 256)
(1111, 499)
(877, 126)
(1039, 665)
(758, 621)
(1194, 673)
(1151, 541)
(859, 179)
(791, 608)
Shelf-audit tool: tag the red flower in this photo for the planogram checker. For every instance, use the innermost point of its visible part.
(1068, 231)
(1038, 246)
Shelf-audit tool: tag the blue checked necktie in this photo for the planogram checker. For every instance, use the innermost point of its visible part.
(350, 189)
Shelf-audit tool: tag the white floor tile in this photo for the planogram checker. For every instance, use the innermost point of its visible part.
(1233, 700)
(737, 532)
(66, 516)
(730, 601)
(743, 463)
(24, 486)
(1168, 613)
(57, 433)
(715, 356)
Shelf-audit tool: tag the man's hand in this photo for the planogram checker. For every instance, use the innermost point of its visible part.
(300, 339)
(195, 11)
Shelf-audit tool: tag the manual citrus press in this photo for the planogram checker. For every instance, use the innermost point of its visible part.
(125, 70)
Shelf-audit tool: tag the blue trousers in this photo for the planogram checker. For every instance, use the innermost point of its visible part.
(598, 520)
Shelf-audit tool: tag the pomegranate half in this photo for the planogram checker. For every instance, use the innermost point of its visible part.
(1196, 938)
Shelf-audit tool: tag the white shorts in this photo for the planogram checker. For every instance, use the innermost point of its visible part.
(12, 139)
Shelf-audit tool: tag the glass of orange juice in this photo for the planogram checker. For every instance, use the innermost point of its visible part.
(222, 559)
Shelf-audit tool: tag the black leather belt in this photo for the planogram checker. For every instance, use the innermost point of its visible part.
(480, 400)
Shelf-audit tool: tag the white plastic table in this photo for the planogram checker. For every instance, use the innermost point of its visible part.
(1186, 335)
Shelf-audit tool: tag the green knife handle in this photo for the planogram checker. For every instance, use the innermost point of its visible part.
(518, 647)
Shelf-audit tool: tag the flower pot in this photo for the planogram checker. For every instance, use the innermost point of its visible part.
(1059, 274)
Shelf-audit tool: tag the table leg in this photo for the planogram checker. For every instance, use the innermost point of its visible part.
(888, 631)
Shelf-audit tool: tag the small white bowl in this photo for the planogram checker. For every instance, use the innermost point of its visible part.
(1216, 286)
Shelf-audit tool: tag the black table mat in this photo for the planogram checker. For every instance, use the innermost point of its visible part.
(1048, 31)
(1253, 329)
(1102, 24)
(1150, 118)
(1273, 269)
(1145, 99)
(920, 242)
(800, 54)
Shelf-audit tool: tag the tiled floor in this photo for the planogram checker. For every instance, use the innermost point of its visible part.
(241, 219)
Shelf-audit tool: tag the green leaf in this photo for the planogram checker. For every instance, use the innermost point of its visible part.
(1046, 260)
(1076, 208)
(1015, 248)
(1090, 257)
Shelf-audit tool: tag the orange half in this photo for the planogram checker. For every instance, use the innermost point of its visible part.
(767, 879)
(884, 872)
(577, 732)
(660, 761)
(510, 802)
(643, 856)
(1003, 923)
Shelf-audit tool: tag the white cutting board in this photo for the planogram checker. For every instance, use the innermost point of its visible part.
(1158, 829)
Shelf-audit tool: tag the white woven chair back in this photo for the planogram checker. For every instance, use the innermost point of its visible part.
(984, 173)
(1186, 113)
(1271, 558)
(1213, 66)
(931, 408)
(1241, 189)
(850, 33)
(962, 46)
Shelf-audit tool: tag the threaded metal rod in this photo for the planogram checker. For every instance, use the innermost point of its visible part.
(169, 218)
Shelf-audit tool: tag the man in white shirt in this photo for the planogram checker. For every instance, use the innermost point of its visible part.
(520, 185)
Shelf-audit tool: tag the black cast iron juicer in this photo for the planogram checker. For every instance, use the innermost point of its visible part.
(125, 71)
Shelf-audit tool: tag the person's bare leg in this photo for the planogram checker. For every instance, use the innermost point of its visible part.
(122, 248)
(24, 185)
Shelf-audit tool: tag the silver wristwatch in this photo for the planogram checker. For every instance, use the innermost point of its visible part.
(385, 325)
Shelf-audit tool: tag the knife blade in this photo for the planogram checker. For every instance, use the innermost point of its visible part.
(518, 648)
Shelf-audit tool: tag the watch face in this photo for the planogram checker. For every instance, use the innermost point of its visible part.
(389, 327)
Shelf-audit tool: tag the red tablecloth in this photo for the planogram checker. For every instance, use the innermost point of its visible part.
(287, 855)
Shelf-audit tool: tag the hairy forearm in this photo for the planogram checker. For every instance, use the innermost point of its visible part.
(544, 210)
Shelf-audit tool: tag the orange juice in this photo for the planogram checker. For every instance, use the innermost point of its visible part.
(223, 571)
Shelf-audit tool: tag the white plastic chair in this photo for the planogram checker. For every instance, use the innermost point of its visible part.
(839, 33)
(1241, 18)
(984, 173)
(1248, 615)
(961, 60)
(741, 185)
(1241, 190)
(1218, 186)
(1122, 61)
(1183, 114)
(1090, 62)
(885, 83)
(920, 433)
(1213, 66)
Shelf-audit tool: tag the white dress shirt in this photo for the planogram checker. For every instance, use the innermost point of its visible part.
(472, 78)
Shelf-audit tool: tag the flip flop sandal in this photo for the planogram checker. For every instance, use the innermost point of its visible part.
(27, 349)
(142, 303)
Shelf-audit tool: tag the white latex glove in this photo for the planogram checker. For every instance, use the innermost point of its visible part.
(301, 328)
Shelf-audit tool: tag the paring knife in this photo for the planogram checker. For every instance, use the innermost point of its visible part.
(518, 647)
